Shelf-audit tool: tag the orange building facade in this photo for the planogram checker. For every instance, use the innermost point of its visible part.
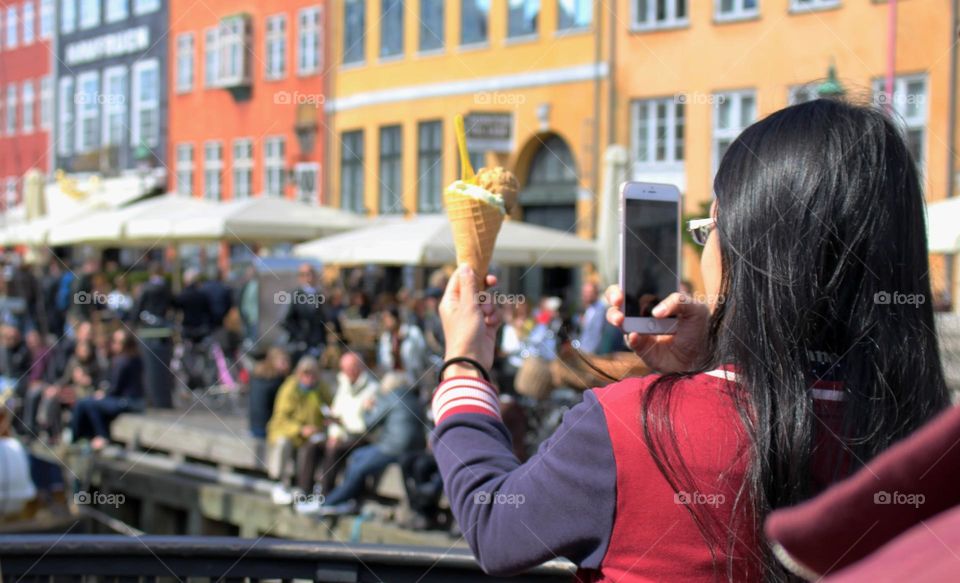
(246, 94)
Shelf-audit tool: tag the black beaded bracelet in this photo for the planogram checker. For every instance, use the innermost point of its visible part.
(464, 360)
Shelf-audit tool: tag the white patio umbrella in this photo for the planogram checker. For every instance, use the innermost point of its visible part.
(943, 226)
(428, 240)
(263, 219)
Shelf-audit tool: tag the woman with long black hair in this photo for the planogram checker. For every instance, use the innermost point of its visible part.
(815, 351)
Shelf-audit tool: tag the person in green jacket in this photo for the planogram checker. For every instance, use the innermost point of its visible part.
(297, 430)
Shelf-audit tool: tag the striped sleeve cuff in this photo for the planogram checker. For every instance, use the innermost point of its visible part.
(465, 395)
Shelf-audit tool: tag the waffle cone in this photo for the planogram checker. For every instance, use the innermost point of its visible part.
(475, 226)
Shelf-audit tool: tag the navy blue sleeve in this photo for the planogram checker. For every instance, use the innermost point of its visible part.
(560, 503)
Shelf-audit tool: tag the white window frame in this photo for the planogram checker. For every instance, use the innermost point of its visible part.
(117, 10)
(68, 18)
(141, 7)
(10, 121)
(303, 196)
(231, 44)
(65, 116)
(242, 168)
(274, 166)
(210, 166)
(89, 13)
(185, 168)
(46, 102)
(11, 32)
(28, 100)
(87, 111)
(275, 51)
(47, 19)
(29, 20)
(651, 22)
(899, 104)
(670, 163)
(739, 11)
(813, 5)
(211, 56)
(114, 105)
(186, 62)
(736, 98)
(140, 105)
(309, 40)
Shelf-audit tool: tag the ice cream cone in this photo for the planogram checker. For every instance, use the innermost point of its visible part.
(475, 226)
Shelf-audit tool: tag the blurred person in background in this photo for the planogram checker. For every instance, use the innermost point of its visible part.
(432, 326)
(196, 314)
(268, 374)
(124, 392)
(119, 300)
(401, 347)
(53, 314)
(155, 332)
(14, 364)
(82, 375)
(305, 320)
(219, 296)
(401, 430)
(592, 320)
(356, 392)
(249, 305)
(296, 431)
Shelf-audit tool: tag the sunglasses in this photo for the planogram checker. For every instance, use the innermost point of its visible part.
(700, 229)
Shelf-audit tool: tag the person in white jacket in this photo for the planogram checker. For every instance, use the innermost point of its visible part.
(356, 391)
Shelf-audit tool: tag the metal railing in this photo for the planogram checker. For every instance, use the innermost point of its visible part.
(56, 558)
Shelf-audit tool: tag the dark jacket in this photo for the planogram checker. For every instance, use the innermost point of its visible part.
(220, 298)
(126, 377)
(306, 317)
(155, 300)
(196, 311)
(401, 426)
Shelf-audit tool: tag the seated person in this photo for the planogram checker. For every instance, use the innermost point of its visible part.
(79, 379)
(356, 392)
(14, 363)
(297, 427)
(395, 414)
(268, 374)
(123, 393)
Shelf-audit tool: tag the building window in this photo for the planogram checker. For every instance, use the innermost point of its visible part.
(351, 171)
(232, 40)
(114, 105)
(276, 49)
(10, 194)
(117, 10)
(309, 41)
(211, 57)
(145, 121)
(184, 169)
(243, 168)
(185, 62)
(11, 30)
(736, 9)
(145, 6)
(909, 105)
(653, 14)
(391, 28)
(88, 110)
(431, 25)
(354, 23)
(391, 157)
(430, 167)
(68, 16)
(46, 19)
(803, 5)
(732, 113)
(65, 116)
(307, 176)
(522, 16)
(89, 13)
(213, 170)
(46, 102)
(11, 117)
(658, 132)
(574, 14)
(474, 17)
(802, 94)
(29, 100)
(29, 23)
(274, 165)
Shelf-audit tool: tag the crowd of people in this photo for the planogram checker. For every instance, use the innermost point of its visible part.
(79, 347)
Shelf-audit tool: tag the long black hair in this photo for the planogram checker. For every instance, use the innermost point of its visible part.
(820, 219)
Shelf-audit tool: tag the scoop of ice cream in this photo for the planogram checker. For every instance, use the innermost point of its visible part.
(478, 192)
(499, 180)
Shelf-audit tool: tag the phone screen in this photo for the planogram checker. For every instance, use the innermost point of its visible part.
(650, 254)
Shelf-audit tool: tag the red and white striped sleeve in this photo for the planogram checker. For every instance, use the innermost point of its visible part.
(465, 395)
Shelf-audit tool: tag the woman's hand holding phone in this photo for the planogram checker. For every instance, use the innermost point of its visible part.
(683, 350)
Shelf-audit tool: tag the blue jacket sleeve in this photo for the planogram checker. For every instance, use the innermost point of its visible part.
(560, 503)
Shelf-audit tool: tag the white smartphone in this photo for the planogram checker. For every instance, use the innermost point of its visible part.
(649, 253)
